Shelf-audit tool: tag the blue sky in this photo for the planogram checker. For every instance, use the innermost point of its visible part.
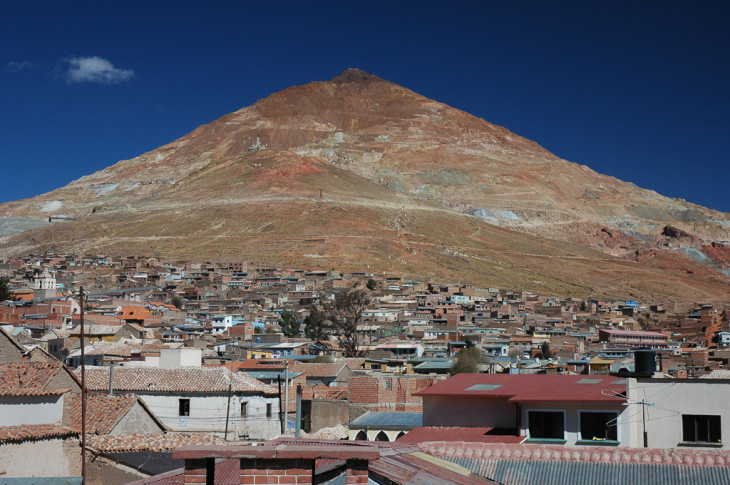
(637, 90)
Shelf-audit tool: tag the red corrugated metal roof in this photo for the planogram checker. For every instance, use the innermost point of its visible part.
(531, 388)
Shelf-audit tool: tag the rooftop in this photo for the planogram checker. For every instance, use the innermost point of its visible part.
(532, 388)
(210, 379)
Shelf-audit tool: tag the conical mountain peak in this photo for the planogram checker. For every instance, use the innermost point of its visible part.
(390, 179)
(356, 76)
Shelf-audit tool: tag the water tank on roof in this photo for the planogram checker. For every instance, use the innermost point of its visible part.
(644, 362)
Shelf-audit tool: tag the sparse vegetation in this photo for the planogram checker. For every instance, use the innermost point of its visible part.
(6, 292)
(289, 323)
(340, 317)
(314, 326)
(323, 359)
(545, 350)
(467, 361)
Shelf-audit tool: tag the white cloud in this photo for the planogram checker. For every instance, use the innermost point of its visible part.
(14, 67)
(95, 70)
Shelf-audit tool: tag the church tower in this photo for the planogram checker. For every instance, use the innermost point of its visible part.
(45, 285)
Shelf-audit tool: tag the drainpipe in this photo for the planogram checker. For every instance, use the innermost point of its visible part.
(111, 378)
(299, 411)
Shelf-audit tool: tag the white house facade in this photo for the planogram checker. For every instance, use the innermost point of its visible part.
(212, 400)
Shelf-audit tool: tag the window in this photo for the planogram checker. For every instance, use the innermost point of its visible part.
(546, 424)
(244, 408)
(598, 426)
(183, 408)
(701, 428)
(268, 410)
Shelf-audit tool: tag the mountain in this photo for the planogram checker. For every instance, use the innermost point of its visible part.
(359, 172)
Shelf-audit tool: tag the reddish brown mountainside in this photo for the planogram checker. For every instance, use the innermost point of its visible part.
(407, 184)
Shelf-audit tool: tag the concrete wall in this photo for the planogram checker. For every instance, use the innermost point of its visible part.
(138, 421)
(372, 434)
(183, 357)
(8, 351)
(326, 413)
(468, 411)
(101, 470)
(208, 414)
(15, 410)
(54, 457)
(668, 400)
(572, 421)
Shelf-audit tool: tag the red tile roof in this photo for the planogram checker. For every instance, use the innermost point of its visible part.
(474, 435)
(151, 442)
(32, 391)
(110, 348)
(532, 388)
(26, 432)
(198, 379)
(103, 411)
(19, 375)
(319, 369)
(134, 313)
(655, 456)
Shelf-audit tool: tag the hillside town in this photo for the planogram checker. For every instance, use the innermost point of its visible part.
(140, 362)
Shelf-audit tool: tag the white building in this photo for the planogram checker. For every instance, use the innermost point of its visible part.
(679, 413)
(44, 285)
(197, 399)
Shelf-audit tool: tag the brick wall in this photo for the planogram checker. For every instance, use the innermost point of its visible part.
(291, 471)
(385, 393)
(271, 464)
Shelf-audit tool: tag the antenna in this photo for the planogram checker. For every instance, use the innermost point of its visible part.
(642, 403)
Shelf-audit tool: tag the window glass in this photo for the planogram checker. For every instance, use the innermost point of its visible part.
(546, 424)
(244, 408)
(184, 407)
(701, 428)
(268, 410)
(598, 426)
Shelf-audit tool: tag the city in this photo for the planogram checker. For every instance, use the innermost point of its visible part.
(187, 354)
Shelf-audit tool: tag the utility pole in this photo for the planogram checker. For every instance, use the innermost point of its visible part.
(286, 396)
(228, 409)
(82, 298)
(281, 408)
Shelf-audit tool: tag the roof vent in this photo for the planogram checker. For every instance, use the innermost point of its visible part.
(588, 380)
(484, 387)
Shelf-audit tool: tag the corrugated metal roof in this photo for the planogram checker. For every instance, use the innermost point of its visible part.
(527, 472)
(531, 388)
(443, 364)
(389, 420)
(270, 374)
